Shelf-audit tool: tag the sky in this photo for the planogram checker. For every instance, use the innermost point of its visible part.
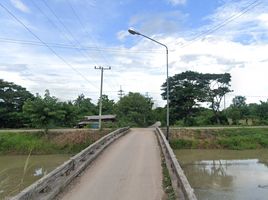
(55, 45)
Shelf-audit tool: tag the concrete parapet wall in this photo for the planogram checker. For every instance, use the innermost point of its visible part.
(180, 183)
(54, 182)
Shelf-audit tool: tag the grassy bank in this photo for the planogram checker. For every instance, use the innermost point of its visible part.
(236, 138)
(55, 142)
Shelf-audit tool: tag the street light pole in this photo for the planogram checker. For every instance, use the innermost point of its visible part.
(100, 101)
(133, 32)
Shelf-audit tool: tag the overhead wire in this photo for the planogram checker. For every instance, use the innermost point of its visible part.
(89, 35)
(249, 7)
(76, 42)
(67, 46)
(45, 44)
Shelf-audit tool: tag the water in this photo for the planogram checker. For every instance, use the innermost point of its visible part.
(226, 174)
(12, 176)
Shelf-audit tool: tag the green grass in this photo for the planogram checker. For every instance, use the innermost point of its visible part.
(236, 139)
(23, 143)
(36, 143)
(166, 182)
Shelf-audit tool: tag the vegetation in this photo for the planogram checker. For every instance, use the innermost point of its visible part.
(189, 93)
(12, 98)
(20, 109)
(189, 89)
(55, 142)
(135, 109)
(166, 182)
(231, 138)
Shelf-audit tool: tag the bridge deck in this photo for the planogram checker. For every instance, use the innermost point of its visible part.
(128, 169)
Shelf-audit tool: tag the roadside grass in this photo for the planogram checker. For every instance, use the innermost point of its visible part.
(53, 143)
(236, 139)
(166, 182)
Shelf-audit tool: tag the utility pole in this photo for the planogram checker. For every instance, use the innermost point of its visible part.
(120, 93)
(147, 94)
(100, 101)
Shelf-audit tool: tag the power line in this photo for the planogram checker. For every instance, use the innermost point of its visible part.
(67, 46)
(85, 30)
(77, 43)
(224, 23)
(44, 43)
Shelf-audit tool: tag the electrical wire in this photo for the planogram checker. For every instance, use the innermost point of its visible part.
(223, 23)
(44, 43)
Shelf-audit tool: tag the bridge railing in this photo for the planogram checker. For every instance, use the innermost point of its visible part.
(179, 181)
(54, 182)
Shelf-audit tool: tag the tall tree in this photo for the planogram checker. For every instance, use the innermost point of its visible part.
(12, 98)
(44, 112)
(217, 85)
(107, 105)
(84, 106)
(186, 92)
(134, 109)
(189, 89)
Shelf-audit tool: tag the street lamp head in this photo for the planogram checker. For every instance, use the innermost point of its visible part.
(131, 31)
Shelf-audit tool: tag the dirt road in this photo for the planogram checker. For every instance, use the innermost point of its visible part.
(129, 169)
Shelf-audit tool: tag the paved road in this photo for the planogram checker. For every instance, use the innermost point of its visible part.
(128, 169)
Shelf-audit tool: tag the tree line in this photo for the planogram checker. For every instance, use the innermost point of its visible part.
(19, 108)
(195, 100)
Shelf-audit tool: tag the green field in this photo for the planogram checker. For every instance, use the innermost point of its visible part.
(55, 142)
(221, 138)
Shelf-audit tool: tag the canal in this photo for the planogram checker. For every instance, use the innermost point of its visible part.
(226, 174)
(17, 172)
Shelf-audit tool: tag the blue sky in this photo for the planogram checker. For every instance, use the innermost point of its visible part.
(94, 33)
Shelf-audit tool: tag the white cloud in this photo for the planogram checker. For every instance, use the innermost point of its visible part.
(138, 69)
(20, 5)
(121, 35)
(177, 2)
(263, 19)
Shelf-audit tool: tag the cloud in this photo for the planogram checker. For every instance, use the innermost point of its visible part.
(13, 67)
(177, 2)
(121, 35)
(242, 21)
(159, 23)
(239, 48)
(20, 5)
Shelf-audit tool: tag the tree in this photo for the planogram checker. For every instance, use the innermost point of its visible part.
(217, 85)
(135, 110)
(12, 98)
(186, 92)
(84, 106)
(70, 114)
(262, 110)
(44, 112)
(239, 101)
(189, 89)
(238, 109)
(107, 105)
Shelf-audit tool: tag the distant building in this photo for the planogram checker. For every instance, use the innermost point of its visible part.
(94, 120)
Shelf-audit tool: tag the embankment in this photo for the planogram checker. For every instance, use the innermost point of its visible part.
(71, 141)
(222, 138)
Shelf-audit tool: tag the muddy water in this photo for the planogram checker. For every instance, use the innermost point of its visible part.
(226, 174)
(13, 177)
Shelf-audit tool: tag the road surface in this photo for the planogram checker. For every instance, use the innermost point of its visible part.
(129, 169)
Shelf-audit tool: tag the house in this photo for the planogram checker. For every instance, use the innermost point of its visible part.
(93, 120)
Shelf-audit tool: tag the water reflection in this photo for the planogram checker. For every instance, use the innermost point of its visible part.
(13, 176)
(230, 175)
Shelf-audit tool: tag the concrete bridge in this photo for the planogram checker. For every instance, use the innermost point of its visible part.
(122, 165)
